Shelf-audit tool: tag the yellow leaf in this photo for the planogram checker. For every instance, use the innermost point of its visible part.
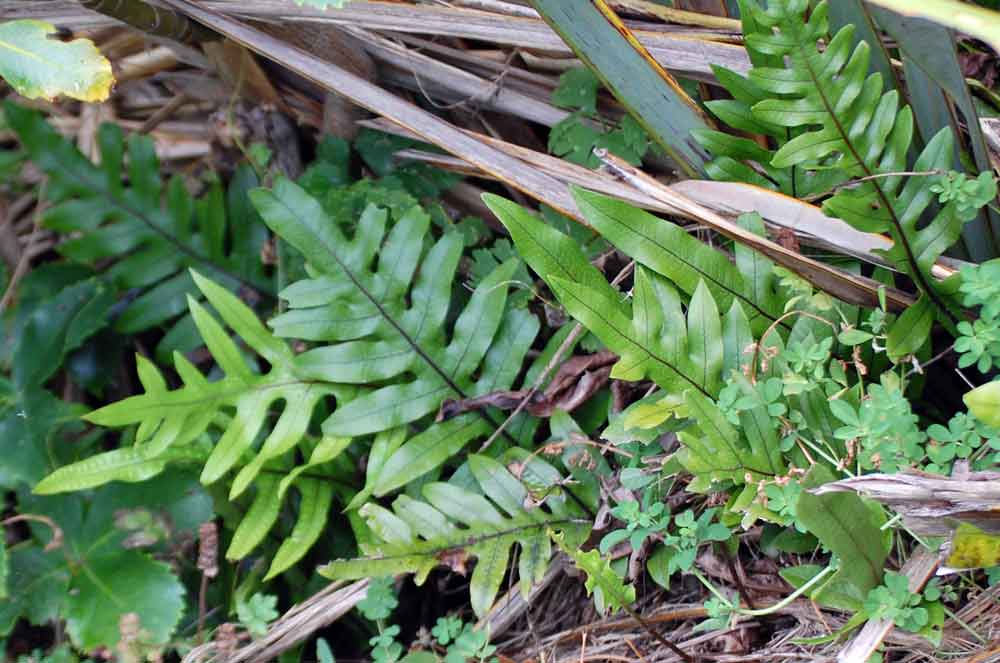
(972, 548)
(37, 66)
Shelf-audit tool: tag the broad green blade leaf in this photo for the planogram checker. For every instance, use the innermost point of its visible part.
(383, 447)
(37, 66)
(960, 16)
(428, 450)
(55, 329)
(655, 99)
(849, 528)
(705, 347)
(498, 484)
(911, 330)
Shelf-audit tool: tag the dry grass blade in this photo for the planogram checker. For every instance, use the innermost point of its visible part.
(684, 55)
(466, 86)
(614, 52)
(848, 287)
(295, 626)
(426, 125)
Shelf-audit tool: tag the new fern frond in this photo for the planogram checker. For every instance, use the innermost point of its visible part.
(457, 523)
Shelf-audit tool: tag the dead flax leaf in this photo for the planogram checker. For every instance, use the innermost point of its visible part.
(574, 383)
(965, 506)
(931, 504)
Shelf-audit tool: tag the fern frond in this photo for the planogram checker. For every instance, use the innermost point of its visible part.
(259, 421)
(436, 445)
(715, 450)
(150, 243)
(832, 122)
(455, 524)
(398, 331)
(608, 589)
(672, 252)
(653, 335)
(172, 427)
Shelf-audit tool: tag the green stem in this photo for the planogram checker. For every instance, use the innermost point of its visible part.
(788, 599)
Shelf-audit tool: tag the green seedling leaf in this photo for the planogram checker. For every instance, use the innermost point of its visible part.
(608, 589)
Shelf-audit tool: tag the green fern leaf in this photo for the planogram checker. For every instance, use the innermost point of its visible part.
(654, 340)
(455, 524)
(840, 118)
(252, 425)
(653, 336)
(398, 334)
(150, 244)
(431, 448)
(714, 450)
(175, 425)
(672, 252)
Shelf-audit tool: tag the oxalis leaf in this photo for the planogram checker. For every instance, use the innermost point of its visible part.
(455, 525)
(37, 66)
